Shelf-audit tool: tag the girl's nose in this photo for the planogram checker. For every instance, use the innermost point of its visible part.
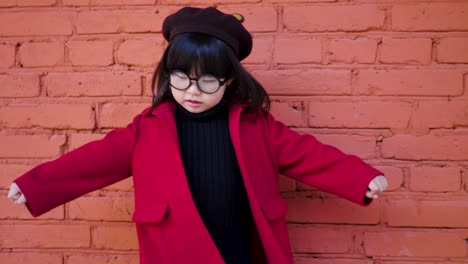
(193, 88)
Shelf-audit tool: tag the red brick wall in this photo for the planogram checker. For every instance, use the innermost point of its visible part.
(385, 80)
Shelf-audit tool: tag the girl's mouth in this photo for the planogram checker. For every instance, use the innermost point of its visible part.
(193, 103)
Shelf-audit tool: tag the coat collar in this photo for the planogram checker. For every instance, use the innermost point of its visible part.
(165, 112)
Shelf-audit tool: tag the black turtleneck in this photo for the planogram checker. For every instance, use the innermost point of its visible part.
(215, 180)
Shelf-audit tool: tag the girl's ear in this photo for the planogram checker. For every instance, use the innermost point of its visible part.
(228, 82)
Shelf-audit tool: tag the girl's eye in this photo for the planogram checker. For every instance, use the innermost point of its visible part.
(209, 79)
(180, 75)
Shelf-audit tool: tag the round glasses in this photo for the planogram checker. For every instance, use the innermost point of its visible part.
(206, 83)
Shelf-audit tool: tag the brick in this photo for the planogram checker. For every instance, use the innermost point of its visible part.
(435, 179)
(11, 211)
(106, 2)
(78, 140)
(44, 236)
(148, 89)
(9, 172)
(291, 113)
(415, 244)
(394, 176)
(316, 260)
(211, 2)
(440, 114)
(297, 50)
(466, 83)
(57, 116)
(286, 184)
(361, 146)
(257, 18)
(420, 261)
(8, 3)
(41, 54)
(140, 52)
(411, 213)
(28, 257)
(359, 114)
(148, 20)
(430, 17)
(34, 146)
(117, 237)
(465, 177)
(124, 185)
(452, 50)
(99, 22)
(300, 1)
(305, 82)
(345, 18)
(36, 24)
(37, 3)
(91, 53)
(261, 51)
(308, 239)
(119, 115)
(102, 258)
(412, 147)
(331, 210)
(360, 50)
(406, 51)
(19, 85)
(408, 82)
(7, 53)
(76, 84)
(101, 208)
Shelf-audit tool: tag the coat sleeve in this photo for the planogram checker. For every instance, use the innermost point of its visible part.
(90, 167)
(305, 159)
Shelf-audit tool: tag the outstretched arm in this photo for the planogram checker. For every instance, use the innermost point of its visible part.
(90, 167)
(305, 159)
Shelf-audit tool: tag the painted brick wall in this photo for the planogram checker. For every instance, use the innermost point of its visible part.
(386, 80)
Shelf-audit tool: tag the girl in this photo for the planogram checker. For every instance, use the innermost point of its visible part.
(205, 156)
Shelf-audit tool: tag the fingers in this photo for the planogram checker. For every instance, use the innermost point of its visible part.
(21, 200)
(14, 192)
(376, 186)
(381, 183)
(371, 195)
(15, 195)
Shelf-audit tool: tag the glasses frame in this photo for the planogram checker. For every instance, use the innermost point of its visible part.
(221, 82)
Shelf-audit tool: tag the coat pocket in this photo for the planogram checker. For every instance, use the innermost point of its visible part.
(275, 208)
(150, 212)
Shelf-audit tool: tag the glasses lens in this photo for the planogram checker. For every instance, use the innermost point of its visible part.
(208, 83)
(179, 80)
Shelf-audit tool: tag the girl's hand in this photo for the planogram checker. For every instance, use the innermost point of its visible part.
(376, 186)
(15, 194)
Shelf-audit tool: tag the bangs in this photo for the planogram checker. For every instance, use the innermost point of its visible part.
(196, 53)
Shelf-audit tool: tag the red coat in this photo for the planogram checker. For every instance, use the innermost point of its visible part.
(169, 227)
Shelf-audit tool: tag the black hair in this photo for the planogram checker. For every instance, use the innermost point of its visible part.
(203, 53)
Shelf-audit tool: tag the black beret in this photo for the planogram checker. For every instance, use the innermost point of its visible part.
(211, 21)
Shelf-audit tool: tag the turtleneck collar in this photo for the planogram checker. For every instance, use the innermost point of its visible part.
(218, 110)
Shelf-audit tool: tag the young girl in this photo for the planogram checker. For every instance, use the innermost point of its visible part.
(205, 157)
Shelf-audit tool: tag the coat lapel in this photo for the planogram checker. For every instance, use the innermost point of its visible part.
(166, 114)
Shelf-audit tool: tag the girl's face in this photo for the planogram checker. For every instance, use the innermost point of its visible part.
(196, 101)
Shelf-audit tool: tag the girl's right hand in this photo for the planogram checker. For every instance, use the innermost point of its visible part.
(15, 194)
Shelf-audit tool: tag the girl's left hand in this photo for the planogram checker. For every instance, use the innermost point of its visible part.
(376, 186)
